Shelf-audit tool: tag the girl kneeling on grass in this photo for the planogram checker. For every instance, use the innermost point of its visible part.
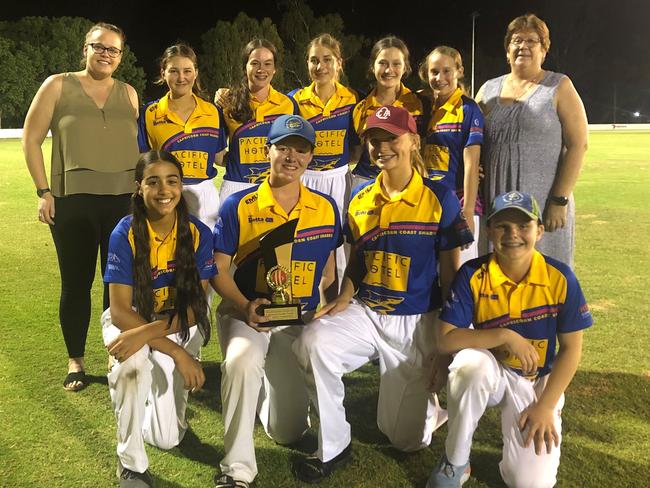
(159, 262)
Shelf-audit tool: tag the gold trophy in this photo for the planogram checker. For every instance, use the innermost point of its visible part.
(276, 254)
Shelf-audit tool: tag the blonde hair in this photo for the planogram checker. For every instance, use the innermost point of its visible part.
(453, 53)
(330, 42)
(528, 22)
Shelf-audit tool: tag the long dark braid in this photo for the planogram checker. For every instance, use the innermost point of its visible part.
(238, 97)
(187, 283)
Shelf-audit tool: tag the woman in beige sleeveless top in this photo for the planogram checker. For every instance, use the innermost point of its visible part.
(92, 117)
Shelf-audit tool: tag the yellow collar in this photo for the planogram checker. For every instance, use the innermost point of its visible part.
(537, 274)
(452, 102)
(412, 194)
(265, 197)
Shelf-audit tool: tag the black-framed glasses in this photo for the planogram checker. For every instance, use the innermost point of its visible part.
(99, 48)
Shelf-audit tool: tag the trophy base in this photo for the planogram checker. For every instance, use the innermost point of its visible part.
(281, 314)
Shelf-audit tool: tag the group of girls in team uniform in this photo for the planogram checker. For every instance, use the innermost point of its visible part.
(289, 157)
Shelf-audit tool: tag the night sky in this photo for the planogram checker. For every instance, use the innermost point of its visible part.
(603, 45)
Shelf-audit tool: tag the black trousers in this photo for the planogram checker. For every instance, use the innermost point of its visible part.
(82, 225)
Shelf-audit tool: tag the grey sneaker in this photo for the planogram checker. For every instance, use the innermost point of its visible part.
(446, 475)
(133, 479)
(225, 481)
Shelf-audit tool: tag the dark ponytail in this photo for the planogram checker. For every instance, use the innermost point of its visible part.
(187, 283)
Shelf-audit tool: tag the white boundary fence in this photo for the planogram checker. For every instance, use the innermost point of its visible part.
(18, 133)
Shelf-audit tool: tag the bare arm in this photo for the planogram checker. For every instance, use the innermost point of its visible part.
(219, 157)
(573, 119)
(133, 97)
(328, 286)
(225, 286)
(37, 123)
(355, 154)
(471, 158)
(349, 287)
(451, 339)
(136, 332)
(449, 264)
(539, 417)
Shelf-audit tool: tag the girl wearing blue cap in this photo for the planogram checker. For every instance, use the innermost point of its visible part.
(522, 304)
(256, 355)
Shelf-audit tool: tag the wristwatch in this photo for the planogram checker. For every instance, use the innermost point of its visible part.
(562, 201)
(42, 191)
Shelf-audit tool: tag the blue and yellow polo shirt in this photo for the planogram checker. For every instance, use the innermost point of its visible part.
(249, 214)
(452, 127)
(547, 302)
(121, 253)
(194, 143)
(332, 122)
(246, 161)
(368, 106)
(397, 241)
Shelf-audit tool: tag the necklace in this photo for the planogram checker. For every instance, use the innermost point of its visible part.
(522, 90)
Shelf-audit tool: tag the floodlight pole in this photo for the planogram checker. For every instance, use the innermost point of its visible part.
(474, 15)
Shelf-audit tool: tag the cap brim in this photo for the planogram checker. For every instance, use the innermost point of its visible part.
(283, 137)
(393, 129)
(531, 215)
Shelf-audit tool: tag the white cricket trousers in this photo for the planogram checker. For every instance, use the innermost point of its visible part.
(229, 187)
(477, 381)
(337, 184)
(331, 346)
(258, 373)
(149, 398)
(203, 201)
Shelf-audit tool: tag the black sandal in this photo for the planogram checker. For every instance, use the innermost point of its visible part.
(313, 470)
(76, 377)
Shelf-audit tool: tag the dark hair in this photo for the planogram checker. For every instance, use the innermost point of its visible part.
(237, 100)
(526, 22)
(189, 292)
(102, 26)
(183, 50)
(387, 43)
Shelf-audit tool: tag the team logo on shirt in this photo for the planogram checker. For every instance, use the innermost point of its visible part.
(380, 303)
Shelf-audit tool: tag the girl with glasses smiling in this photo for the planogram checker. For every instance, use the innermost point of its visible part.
(92, 117)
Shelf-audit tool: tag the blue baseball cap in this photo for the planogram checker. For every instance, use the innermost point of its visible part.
(291, 125)
(515, 199)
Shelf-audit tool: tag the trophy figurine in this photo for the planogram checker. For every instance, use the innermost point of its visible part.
(276, 254)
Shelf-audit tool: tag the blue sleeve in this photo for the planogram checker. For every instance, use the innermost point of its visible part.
(458, 309)
(453, 231)
(226, 230)
(296, 108)
(574, 313)
(204, 254)
(143, 138)
(119, 265)
(473, 124)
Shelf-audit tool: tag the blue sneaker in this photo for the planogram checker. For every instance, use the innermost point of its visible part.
(446, 475)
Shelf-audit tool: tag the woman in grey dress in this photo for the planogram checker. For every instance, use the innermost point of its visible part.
(535, 133)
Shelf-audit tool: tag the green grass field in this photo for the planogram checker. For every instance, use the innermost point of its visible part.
(51, 438)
